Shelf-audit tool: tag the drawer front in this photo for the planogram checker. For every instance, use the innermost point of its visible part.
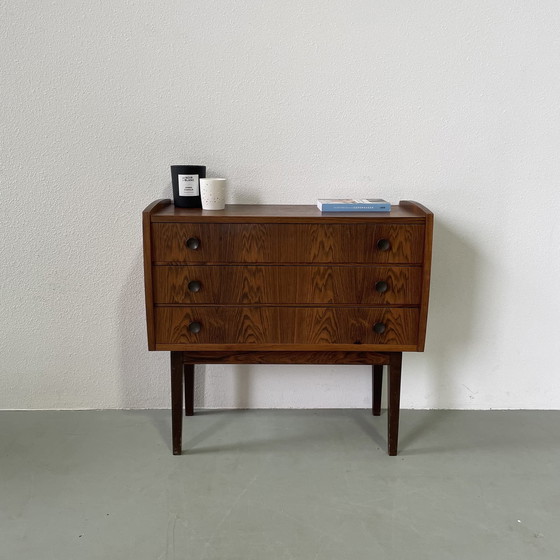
(238, 285)
(286, 326)
(287, 243)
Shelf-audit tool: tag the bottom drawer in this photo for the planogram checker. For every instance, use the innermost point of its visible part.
(285, 326)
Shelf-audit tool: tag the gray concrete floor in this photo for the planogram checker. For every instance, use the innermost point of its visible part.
(283, 484)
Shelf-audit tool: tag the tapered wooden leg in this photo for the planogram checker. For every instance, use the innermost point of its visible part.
(189, 389)
(394, 387)
(177, 401)
(376, 384)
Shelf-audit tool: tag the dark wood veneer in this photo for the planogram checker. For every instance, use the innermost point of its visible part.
(286, 243)
(409, 212)
(286, 284)
(285, 326)
(251, 285)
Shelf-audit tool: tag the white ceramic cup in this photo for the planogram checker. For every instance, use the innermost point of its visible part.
(213, 193)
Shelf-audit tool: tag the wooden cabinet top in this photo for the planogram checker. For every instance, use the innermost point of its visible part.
(404, 212)
(293, 275)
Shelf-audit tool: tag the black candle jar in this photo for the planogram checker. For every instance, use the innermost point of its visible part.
(186, 185)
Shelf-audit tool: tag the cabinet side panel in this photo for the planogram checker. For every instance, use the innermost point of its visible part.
(426, 272)
(147, 250)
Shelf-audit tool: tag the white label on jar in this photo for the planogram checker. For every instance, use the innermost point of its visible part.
(188, 185)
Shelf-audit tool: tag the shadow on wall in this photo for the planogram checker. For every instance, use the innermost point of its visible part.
(453, 304)
(247, 197)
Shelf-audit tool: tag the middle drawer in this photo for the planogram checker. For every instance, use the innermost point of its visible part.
(215, 284)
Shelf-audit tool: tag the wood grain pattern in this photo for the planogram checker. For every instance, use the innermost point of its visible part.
(253, 326)
(287, 243)
(290, 213)
(426, 269)
(251, 285)
(147, 253)
(285, 357)
(296, 348)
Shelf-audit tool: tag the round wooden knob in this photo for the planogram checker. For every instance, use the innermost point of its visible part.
(195, 327)
(383, 244)
(379, 328)
(381, 287)
(194, 286)
(193, 243)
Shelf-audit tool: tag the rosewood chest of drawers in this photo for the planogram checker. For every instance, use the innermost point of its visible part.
(286, 284)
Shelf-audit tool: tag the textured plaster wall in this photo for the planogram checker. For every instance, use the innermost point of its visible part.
(454, 104)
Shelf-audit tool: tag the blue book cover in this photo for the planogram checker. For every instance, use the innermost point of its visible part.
(353, 205)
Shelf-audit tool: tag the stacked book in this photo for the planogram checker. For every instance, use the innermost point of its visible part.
(353, 205)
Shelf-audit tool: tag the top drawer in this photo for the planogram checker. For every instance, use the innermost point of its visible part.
(287, 243)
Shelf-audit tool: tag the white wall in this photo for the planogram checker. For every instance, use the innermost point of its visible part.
(453, 104)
